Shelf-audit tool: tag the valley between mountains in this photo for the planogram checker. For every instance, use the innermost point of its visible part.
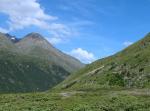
(120, 82)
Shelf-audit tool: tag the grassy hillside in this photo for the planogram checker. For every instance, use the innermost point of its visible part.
(19, 73)
(129, 68)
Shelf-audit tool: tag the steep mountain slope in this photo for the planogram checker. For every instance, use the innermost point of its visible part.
(21, 71)
(34, 44)
(128, 68)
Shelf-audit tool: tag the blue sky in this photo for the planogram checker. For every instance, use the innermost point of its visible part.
(85, 29)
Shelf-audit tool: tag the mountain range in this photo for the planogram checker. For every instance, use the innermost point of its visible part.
(32, 64)
(120, 82)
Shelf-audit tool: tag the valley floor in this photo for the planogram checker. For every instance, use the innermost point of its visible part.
(90, 100)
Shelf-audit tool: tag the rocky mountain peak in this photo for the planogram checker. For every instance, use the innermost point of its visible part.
(34, 35)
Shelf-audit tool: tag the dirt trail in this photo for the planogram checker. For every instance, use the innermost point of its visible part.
(69, 94)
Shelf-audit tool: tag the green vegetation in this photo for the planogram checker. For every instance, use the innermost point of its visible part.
(129, 68)
(20, 73)
(115, 79)
(93, 100)
(117, 83)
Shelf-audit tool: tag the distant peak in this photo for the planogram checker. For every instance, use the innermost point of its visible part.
(34, 35)
(35, 38)
(14, 39)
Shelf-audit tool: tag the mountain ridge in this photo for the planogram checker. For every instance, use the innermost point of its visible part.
(31, 44)
(37, 66)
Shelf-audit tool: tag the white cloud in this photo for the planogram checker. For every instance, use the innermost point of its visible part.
(83, 55)
(24, 13)
(29, 13)
(60, 33)
(127, 43)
